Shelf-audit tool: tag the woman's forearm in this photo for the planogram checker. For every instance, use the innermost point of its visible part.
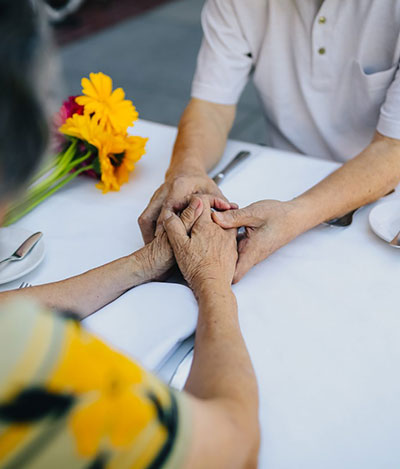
(86, 293)
(220, 351)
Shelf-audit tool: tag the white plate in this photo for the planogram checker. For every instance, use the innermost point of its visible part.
(10, 239)
(385, 220)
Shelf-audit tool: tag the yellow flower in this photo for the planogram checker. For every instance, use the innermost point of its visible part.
(107, 144)
(108, 384)
(117, 153)
(134, 150)
(108, 107)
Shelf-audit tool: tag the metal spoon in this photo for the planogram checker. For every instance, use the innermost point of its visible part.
(346, 219)
(25, 248)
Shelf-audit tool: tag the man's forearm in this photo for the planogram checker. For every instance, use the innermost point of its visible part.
(202, 135)
(364, 179)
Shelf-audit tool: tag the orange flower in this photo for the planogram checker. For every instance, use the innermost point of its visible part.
(109, 387)
(108, 107)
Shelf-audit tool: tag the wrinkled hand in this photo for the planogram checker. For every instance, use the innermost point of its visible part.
(175, 194)
(209, 254)
(157, 257)
(269, 225)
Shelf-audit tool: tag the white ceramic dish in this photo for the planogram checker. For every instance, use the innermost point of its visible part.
(10, 239)
(384, 220)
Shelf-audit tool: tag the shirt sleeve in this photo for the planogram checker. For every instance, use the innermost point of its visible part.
(224, 61)
(389, 119)
(66, 396)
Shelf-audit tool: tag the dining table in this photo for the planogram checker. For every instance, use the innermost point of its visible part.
(320, 317)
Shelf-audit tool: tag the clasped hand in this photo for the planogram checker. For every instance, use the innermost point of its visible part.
(205, 252)
(269, 224)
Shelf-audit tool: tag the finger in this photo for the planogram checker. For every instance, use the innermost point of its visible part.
(234, 218)
(159, 227)
(148, 219)
(248, 258)
(168, 206)
(218, 203)
(205, 216)
(175, 230)
(191, 214)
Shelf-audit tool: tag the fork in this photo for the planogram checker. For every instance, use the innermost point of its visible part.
(24, 285)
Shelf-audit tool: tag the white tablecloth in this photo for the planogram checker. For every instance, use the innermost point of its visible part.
(320, 316)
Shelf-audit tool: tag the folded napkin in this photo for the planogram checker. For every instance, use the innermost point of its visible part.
(148, 322)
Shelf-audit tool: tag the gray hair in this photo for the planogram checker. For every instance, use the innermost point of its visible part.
(23, 124)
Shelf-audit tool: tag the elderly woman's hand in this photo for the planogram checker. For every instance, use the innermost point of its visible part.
(157, 257)
(208, 255)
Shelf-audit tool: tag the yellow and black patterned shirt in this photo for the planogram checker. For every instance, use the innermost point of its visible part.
(68, 401)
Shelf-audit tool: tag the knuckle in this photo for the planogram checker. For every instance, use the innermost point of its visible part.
(143, 219)
(235, 214)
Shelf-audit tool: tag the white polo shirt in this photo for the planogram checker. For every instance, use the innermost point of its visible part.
(326, 71)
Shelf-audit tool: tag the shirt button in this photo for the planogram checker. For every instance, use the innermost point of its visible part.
(322, 20)
(321, 50)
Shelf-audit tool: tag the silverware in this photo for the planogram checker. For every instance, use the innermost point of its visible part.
(169, 367)
(241, 156)
(396, 240)
(25, 248)
(178, 379)
(24, 285)
(347, 219)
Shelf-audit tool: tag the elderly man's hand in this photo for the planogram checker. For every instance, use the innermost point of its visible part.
(269, 225)
(208, 255)
(175, 194)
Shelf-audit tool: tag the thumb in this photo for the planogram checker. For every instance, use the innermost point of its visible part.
(233, 218)
(248, 258)
(191, 214)
(175, 230)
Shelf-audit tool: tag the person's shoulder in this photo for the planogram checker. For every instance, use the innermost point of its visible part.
(249, 14)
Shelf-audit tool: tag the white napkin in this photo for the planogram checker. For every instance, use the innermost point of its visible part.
(148, 322)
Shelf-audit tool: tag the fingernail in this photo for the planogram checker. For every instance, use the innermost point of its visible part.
(195, 203)
(218, 215)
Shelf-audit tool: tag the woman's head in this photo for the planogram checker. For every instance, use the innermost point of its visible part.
(23, 129)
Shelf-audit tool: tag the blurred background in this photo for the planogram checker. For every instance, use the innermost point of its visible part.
(148, 47)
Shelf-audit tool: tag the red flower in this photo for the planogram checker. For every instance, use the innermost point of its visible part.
(68, 109)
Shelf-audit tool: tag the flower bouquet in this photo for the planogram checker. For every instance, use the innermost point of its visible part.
(92, 138)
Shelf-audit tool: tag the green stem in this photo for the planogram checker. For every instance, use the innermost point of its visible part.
(46, 169)
(32, 196)
(64, 161)
(38, 190)
(13, 217)
(78, 161)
